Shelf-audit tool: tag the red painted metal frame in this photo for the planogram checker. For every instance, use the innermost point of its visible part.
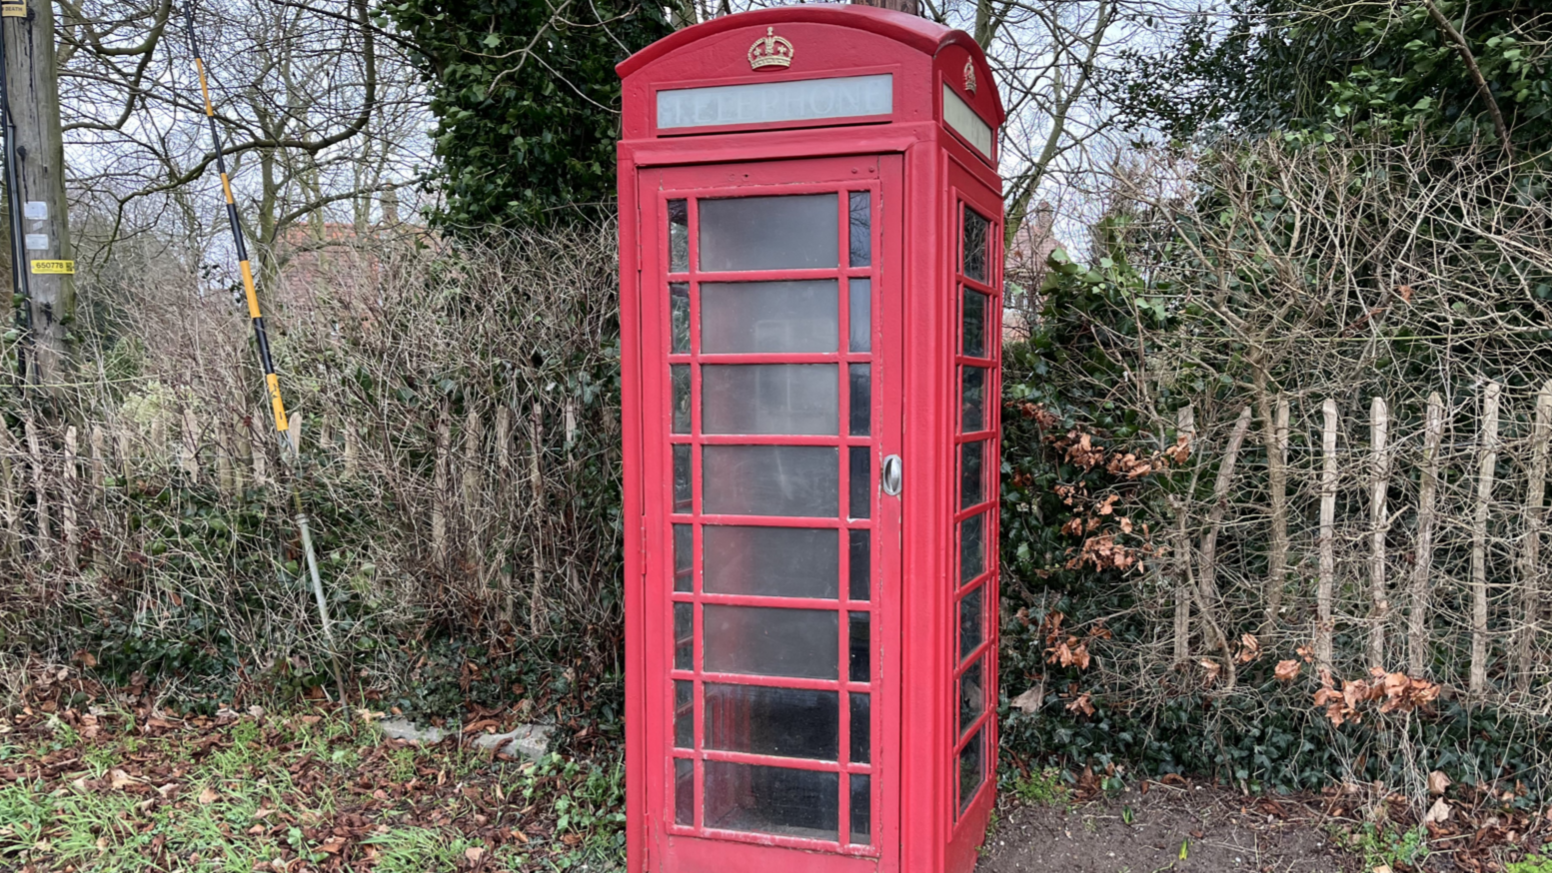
(917, 825)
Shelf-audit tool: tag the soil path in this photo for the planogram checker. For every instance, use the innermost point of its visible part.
(1139, 832)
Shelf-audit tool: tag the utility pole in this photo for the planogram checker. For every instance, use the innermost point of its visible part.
(31, 83)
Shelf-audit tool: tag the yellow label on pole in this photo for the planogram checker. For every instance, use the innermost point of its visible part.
(53, 268)
(13, 10)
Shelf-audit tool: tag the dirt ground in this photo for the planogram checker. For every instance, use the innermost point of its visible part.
(1137, 832)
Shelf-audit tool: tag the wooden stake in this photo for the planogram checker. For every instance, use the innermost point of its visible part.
(40, 492)
(1531, 572)
(1324, 625)
(1277, 483)
(67, 498)
(1379, 488)
(444, 439)
(1485, 472)
(1208, 578)
(1427, 495)
(536, 620)
(1186, 422)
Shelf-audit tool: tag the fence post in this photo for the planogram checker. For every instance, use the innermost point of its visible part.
(1379, 465)
(1186, 423)
(67, 497)
(1427, 495)
(8, 489)
(1327, 544)
(1485, 470)
(40, 492)
(258, 448)
(503, 486)
(1535, 519)
(190, 452)
(99, 444)
(352, 448)
(536, 482)
(1277, 483)
(444, 438)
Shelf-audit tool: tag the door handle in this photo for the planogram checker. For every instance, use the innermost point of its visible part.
(890, 475)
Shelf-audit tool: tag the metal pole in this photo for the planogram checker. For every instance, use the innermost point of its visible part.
(261, 341)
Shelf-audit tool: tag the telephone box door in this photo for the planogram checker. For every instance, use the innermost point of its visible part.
(771, 367)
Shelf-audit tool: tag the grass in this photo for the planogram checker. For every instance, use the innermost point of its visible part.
(1043, 787)
(305, 792)
(1532, 864)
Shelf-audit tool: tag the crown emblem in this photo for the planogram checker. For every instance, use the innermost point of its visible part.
(770, 51)
(970, 77)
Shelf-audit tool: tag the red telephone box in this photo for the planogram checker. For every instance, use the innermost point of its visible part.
(810, 265)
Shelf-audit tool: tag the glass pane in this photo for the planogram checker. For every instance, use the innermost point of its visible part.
(970, 770)
(684, 792)
(681, 380)
(678, 236)
(750, 317)
(861, 228)
(682, 489)
(684, 714)
(975, 244)
(861, 501)
(861, 729)
(972, 548)
(771, 480)
(772, 800)
(861, 571)
(684, 636)
(861, 644)
(769, 641)
(860, 315)
(785, 722)
(861, 399)
(792, 232)
(679, 318)
(972, 474)
(971, 702)
(972, 400)
(769, 399)
(684, 557)
(861, 810)
(970, 624)
(975, 324)
(771, 561)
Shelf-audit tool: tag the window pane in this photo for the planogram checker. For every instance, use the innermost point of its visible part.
(684, 636)
(771, 561)
(785, 722)
(681, 381)
(861, 646)
(971, 701)
(771, 480)
(970, 624)
(861, 228)
(971, 770)
(975, 324)
(972, 400)
(684, 714)
(861, 729)
(972, 474)
(769, 399)
(861, 810)
(860, 314)
(684, 792)
(748, 317)
(772, 800)
(792, 232)
(679, 318)
(684, 557)
(975, 244)
(682, 502)
(861, 571)
(861, 482)
(769, 641)
(861, 399)
(678, 236)
(972, 548)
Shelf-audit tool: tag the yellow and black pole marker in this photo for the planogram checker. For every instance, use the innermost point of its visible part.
(260, 335)
(261, 340)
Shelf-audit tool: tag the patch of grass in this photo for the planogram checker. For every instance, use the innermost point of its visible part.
(1532, 864)
(1042, 788)
(417, 849)
(1380, 846)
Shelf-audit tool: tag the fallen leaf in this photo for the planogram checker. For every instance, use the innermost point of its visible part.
(118, 778)
(1029, 701)
(208, 796)
(1437, 783)
(1438, 813)
(473, 854)
(1287, 671)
